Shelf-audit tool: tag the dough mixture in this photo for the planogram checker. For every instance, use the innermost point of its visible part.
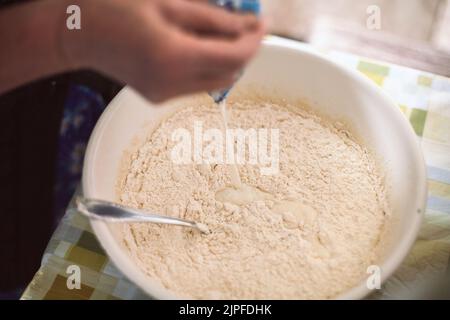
(308, 232)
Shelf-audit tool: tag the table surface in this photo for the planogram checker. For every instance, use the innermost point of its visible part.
(424, 99)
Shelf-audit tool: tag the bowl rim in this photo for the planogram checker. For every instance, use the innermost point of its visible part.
(391, 262)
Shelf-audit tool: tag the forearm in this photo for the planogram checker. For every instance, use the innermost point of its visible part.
(30, 42)
(157, 47)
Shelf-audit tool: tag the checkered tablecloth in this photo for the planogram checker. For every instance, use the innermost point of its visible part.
(425, 101)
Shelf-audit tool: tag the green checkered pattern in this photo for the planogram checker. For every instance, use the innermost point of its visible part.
(424, 99)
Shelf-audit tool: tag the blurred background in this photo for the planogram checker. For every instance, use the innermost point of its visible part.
(414, 33)
(49, 121)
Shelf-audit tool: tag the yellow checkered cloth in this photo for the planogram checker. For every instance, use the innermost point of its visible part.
(424, 99)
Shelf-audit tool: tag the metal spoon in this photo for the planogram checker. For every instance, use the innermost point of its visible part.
(113, 212)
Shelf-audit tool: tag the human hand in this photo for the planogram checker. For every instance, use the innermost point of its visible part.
(163, 48)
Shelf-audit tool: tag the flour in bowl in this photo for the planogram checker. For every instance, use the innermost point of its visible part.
(310, 231)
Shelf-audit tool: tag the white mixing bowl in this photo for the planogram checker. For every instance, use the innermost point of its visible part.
(296, 74)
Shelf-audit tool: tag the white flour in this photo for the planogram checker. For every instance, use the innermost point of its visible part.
(309, 232)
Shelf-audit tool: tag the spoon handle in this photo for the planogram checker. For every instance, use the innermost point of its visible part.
(113, 212)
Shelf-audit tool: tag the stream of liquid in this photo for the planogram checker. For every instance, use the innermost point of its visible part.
(241, 194)
(233, 169)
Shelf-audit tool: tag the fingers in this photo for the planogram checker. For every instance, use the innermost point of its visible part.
(193, 86)
(216, 52)
(208, 58)
(228, 55)
(200, 17)
(214, 83)
(207, 84)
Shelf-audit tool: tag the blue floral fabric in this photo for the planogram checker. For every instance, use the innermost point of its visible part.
(82, 109)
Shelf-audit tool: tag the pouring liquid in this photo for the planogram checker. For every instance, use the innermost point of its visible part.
(294, 212)
(220, 96)
(233, 169)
